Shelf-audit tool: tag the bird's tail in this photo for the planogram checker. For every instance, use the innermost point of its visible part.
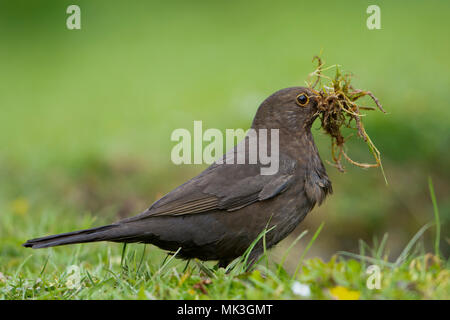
(113, 232)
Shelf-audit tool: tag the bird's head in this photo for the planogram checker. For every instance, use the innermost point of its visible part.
(292, 109)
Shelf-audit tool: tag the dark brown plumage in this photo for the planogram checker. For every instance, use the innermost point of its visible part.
(219, 213)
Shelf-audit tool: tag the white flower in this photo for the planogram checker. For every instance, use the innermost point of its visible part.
(301, 289)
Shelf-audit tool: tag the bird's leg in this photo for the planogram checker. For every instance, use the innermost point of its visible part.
(187, 264)
(222, 264)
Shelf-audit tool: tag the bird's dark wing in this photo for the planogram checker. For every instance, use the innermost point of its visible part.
(225, 187)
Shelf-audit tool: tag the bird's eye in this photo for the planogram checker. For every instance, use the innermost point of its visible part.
(302, 99)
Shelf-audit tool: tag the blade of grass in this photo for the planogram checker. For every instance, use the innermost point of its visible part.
(436, 217)
(307, 249)
(244, 258)
(19, 268)
(366, 258)
(411, 243)
(382, 246)
(142, 259)
(90, 278)
(362, 252)
(205, 269)
(265, 256)
(167, 262)
(283, 259)
(45, 265)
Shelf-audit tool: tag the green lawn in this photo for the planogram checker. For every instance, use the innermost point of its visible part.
(137, 271)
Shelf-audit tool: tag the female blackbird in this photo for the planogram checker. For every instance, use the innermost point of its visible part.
(219, 213)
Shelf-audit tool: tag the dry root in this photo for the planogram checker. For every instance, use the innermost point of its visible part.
(337, 108)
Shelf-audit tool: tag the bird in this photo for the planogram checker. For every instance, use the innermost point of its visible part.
(219, 213)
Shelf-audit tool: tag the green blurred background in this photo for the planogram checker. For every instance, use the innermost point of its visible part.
(86, 115)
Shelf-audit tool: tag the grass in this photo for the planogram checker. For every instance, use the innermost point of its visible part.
(86, 118)
(133, 271)
(436, 217)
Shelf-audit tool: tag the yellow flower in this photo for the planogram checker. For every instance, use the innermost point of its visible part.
(20, 206)
(191, 292)
(342, 293)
